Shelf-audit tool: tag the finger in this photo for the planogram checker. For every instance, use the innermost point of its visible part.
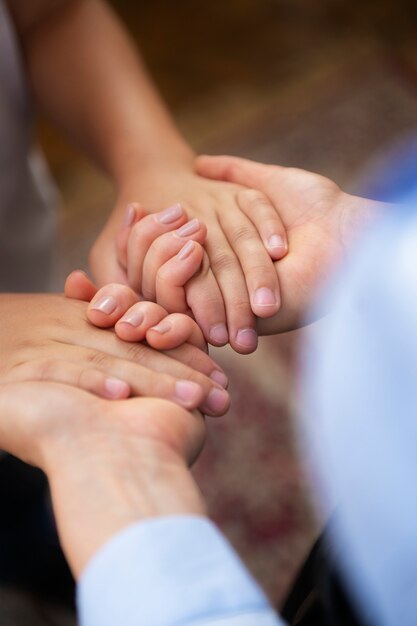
(174, 274)
(138, 319)
(258, 268)
(175, 330)
(135, 362)
(134, 212)
(78, 286)
(230, 278)
(259, 209)
(146, 320)
(205, 300)
(142, 235)
(173, 378)
(164, 248)
(74, 374)
(109, 304)
(216, 401)
(236, 170)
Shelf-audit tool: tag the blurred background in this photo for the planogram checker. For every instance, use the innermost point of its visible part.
(328, 85)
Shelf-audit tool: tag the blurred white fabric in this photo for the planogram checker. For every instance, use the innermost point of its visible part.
(360, 416)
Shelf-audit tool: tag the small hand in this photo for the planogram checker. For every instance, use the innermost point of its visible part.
(177, 335)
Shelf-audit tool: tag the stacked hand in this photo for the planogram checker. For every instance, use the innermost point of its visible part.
(168, 264)
(136, 451)
(237, 279)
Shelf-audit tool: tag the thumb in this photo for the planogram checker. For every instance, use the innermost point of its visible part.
(233, 170)
(78, 286)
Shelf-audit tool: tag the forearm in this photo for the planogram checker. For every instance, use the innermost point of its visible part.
(87, 76)
(100, 489)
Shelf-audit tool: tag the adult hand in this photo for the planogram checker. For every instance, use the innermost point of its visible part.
(109, 464)
(48, 337)
(321, 222)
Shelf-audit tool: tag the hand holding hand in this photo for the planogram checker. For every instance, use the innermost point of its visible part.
(321, 222)
(178, 336)
(238, 279)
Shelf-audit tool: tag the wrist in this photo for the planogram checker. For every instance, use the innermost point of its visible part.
(100, 488)
(164, 180)
(134, 166)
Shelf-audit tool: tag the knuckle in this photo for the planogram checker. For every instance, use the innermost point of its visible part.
(224, 261)
(88, 379)
(192, 358)
(136, 352)
(244, 234)
(99, 359)
(241, 309)
(231, 171)
(46, 369)
(253, 198)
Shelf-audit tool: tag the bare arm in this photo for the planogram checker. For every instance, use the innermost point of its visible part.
(87, 76)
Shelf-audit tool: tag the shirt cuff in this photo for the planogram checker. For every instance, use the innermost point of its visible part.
(168, 571)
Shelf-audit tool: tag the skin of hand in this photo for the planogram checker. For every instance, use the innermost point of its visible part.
(109, 464)
(238, 281)
(48, 337)
(321, 222)
(176, 336)
(118, 118)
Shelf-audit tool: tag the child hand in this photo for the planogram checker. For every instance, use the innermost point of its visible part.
(239, 247)
(177, 335)
(149, 248)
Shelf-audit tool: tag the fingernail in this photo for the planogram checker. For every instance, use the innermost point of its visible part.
(116, 388)
(189, 228)
(170, 215)
(264, 297)
(247, 338)
(187, 392)
(218, 400)
(134, 318)
(186, 250)
(220, 378)
(162, 327)
(218, 334)
(105, 305)
(276, 241)
(130, 215)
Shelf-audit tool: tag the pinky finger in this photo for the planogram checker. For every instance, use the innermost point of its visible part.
(175, 330)
(73, 374)
(264, 216)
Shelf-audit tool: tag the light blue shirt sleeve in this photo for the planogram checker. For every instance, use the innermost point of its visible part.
(361, 391)
(171, 571)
